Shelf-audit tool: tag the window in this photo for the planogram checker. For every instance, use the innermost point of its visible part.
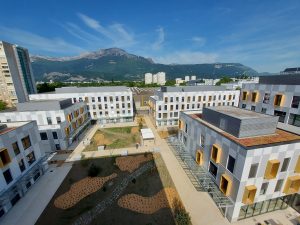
(199, 157)
(43, 136)
(272, 169)
(16, 148)
(22, 165)
(111, 99)
(225, 184)
(244, 96)
(285, 164)
(292, 185)
(295, 102)
(213, 169)
(209, 98)
(249, 194)
(166, 99)
(7, 176)
(186, 128)
(230, 163)
(263, 188)
(294, 120)
(4, 157)
(279, 185)
(243, 106)
(57, 146)
(93, 99)
(254, 97)
(264, 110)
(58, 119)
(253, 170)
(280, 114)
(215, 153)
(26, 142)
(99, 99)
(49, 121)
(277, 100)
(199, 98)
(54, 134)
(30, 158)
(252, 108)
(266, 99)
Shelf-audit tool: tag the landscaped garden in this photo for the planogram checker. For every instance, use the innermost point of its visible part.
(113, 138)
(123, 190)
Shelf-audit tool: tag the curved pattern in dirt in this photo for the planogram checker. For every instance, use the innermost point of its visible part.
(80, 190)
(131, 163)
(149, 205)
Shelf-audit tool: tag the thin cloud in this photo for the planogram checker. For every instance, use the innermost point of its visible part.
(160, 39)
(199, 41)
(39, 43)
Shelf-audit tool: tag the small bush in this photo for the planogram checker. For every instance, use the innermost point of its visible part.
(182, 217)
(94, 170)
(104, 189)
(133, 180)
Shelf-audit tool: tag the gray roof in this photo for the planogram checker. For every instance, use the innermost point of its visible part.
(287, 79)
(193, 88)
(44, 105)
(91, 89)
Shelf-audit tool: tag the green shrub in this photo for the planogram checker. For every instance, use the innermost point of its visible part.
(94, 170)
(182, 217)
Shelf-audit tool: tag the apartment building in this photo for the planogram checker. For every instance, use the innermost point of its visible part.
(277, 95)
(167, 102)
(59, 121)
(21, 161)
(104, 104)
(16, 77)
(253, 163)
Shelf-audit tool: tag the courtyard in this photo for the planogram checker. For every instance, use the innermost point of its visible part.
(133, 189)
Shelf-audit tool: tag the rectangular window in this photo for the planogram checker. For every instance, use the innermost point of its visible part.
(264, 110)
(253, 170)
(294, 120)
(49, 120)
(4, 157)
(213, 169)
(279, 185)
(230, 163)
(266, 99)
(54, 134)
(199, 98)
(295, 102)
(285, 164)
(263, 188)
(99, 99)
(57, 146)
(215, 153)
(30, 158)
(93, 99)
(22, 165)
(26, 142)
(243, 106)
(16, 148)
(244, 96)
(280, 114)
(202, 140)
(252, 108)
(7, 176)
(44, 136)
(58, 119)
(253, 96)
(277, 100)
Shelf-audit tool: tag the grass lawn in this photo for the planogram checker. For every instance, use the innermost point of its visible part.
(113, 138)
(147, 185)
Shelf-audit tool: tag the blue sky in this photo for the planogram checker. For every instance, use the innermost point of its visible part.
(263, 34)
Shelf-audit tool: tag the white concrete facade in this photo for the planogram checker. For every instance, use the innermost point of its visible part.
(166, 104)
(244, 162)
(20, 155)
(58, 126)
(105, 104)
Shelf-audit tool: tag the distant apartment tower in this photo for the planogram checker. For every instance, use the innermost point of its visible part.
(59, 121)
(193, 77)
(104, 104)
(167, 102)
(21, 161)
(277, 95)
(247, 164)
(187, 78)
(148, 78)
(16, 77)
(158, 78)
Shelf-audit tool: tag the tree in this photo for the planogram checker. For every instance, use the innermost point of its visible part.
(224, 80)
(2, 105)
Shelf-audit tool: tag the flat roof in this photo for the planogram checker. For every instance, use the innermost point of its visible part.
(147, 133)
(238, 112)
(90, 89)
(278, 138)
(193, 88)
(10, 126)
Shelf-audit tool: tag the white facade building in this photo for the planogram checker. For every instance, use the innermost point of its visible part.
(161, 78)
(105, 104)
(158, 78)
(21, 161)
(16, 77)
(148, 78)
(154, 79)
(193, 77)
(59, 121)
(187, 78)
(248, 165)
(167, 102)
(275, 95)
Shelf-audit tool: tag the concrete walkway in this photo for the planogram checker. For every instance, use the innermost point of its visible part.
(31, 206)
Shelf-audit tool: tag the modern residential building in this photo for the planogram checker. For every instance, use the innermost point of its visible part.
(148, 78)
(252, 163)
(21, 161)
(105, 104)
(158, 78)
(277, 95)
(193, 77)
(59, 121)
(16, 77)
(187, 78)
(167, 102)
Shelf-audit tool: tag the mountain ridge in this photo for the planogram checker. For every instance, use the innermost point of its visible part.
(117, 64)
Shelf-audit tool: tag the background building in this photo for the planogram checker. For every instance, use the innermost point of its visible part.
(59, 121)
(158, 78)
(253, 164)
(16, 77)
(167, 102)
(148, 78)
(104, 104)
(274, 95)
(21, 161)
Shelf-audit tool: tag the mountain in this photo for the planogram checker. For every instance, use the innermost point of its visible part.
(117, 64)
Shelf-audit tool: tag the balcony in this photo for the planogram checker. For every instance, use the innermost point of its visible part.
(249, 194)
(272, 169)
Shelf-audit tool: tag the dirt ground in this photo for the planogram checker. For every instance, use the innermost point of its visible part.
(147, 185)
(131, 163)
